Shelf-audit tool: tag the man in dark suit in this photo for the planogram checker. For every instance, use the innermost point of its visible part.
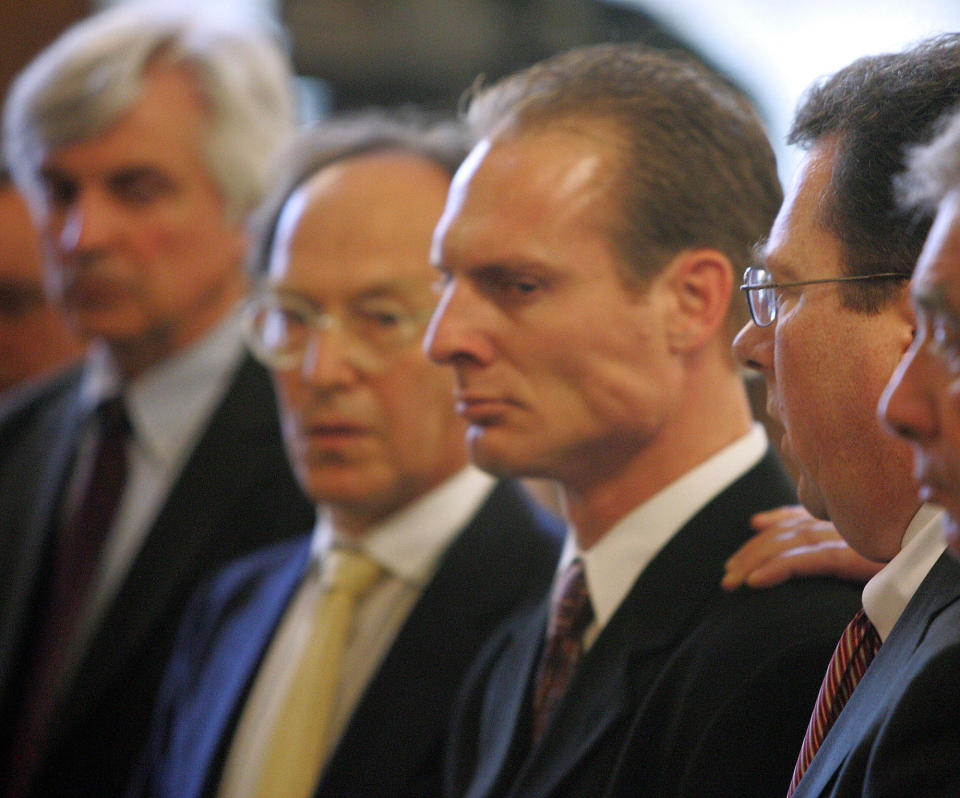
(345, 293)
(141, 140)
(831, 315)
(589, 251)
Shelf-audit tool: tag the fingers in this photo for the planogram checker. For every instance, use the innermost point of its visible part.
(790, 543)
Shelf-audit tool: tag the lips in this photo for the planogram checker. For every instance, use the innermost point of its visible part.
(480, 409)
(335, 429)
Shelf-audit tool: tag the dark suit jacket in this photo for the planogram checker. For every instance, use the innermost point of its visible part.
(684, 678)
(392, 744)
(899, 734)
(235, 493)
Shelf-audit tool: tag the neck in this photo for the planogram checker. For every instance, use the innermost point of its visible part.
(712, 418)
(137, 355)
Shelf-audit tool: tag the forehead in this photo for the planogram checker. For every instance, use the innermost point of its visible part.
(366, 219)
(800, 246)
(163, 127)
(548, 185)
(936, 281)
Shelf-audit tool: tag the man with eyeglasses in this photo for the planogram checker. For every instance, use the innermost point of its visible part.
(920, 403)
(830, 322)
(344, 293)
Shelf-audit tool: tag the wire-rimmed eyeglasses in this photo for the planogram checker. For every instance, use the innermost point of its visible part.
(761, 291)
(281, 327)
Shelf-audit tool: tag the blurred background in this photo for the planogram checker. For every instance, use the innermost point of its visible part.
(358, 52)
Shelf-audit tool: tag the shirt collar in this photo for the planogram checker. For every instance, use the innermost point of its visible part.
(887, 594)
(409, 542)
(617, 559)
(168, 402)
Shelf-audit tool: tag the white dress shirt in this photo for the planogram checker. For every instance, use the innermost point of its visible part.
(408, 546)
(887, 594)
(615, 561)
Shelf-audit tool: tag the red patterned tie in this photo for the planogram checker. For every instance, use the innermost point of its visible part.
(570, 615)
(857, 646)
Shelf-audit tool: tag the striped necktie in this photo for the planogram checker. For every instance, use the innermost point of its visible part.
(857, 647)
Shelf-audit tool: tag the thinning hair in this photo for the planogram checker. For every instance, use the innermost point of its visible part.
(694, 166)
(434, 137)
(874, 110)
(82, 84)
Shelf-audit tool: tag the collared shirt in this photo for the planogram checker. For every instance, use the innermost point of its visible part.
(408, 546)
(887, 594)
(615, 561)
(168, 406)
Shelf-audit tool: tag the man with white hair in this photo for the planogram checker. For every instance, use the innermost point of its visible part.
(141, 138)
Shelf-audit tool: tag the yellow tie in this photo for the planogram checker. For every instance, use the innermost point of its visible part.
(298, 743)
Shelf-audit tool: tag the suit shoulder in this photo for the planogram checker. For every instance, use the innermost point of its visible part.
(237, 577)
(796, 609)
(22, 405)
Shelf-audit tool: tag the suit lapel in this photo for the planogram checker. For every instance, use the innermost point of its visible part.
(228, 675)
(656, 614)
(881, 682)
(52, 445)
(172, 555)
(506, 698)
(486, 571)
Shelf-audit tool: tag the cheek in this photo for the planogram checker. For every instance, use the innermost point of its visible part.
(621, 386)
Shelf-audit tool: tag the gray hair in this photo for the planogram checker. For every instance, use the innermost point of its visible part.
(933, 170)
(435, 137)
(82, 83)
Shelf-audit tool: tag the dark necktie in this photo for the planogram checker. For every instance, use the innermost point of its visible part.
(857, 647)
(570, 615)
(76, 550)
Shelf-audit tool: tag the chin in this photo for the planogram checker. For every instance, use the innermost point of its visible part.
(339, 486)
(811, 498)
(493, 459)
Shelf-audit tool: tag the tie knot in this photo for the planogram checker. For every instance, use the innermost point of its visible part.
(861, 635)
(572, 611)
(350, 571)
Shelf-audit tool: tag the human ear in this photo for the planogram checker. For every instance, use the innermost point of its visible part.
(701, 281)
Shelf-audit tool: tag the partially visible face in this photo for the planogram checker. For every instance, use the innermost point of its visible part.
(825, 367)
(562, 368)
(34, 337)
(141, 250)
(922, 401)
(365, 436)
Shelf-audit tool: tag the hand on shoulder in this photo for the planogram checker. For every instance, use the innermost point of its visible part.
(792, 543)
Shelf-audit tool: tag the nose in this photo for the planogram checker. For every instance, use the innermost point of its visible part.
(753, 347)
(907, 404)
(89, 222)
(330, 359)
(453, 336)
